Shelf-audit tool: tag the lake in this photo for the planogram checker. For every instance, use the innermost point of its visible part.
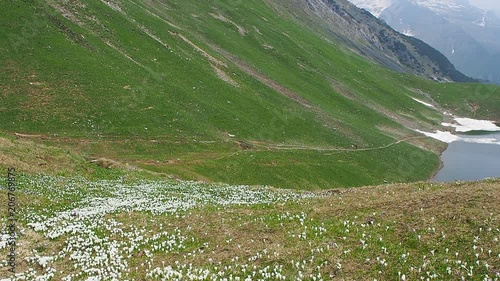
(471, 161)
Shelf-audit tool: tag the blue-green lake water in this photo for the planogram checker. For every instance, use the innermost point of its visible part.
(469, 161)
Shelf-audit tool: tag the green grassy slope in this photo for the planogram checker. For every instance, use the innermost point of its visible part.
(214, 90)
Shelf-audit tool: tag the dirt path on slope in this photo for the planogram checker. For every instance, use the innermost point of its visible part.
(300, 147)
(263, 146)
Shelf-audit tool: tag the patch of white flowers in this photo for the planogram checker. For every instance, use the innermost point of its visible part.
(86, 229)
(97, 237)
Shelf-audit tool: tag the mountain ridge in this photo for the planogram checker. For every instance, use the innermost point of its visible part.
(466, 34)
(350, 22)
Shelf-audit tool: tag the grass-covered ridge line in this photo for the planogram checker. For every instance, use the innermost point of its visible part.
(129, 229)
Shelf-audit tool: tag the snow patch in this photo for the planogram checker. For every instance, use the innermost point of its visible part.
(443, 5)
(465, 125)
(408, 32)
(448, 137)
(468, 124)
(482, 22)
(443, 136)
(424, 103)
(375, 7)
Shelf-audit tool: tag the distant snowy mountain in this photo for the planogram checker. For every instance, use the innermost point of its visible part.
(467, 35)
(376, 7)
(444, 5)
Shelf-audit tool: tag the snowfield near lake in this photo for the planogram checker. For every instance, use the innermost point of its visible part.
(467, 124)
(448, 137)
(443, 136)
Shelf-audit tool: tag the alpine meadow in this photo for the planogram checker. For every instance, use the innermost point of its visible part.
(233, 140)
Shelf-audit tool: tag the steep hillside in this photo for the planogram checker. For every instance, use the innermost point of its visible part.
(247, 92)
(377, 41)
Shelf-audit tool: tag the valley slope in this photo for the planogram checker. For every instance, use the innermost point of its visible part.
(243, 92)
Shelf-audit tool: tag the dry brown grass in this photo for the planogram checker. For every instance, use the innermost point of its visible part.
(454, 208)
(457, 209)
(30, 157)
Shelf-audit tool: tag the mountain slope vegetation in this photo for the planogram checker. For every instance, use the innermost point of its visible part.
(242, 92)
(71, 228)
(375, 40)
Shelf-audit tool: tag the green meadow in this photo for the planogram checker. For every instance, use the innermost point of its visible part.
(240, 92)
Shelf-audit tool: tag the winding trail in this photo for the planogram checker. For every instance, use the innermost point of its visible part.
(256, 146)
(292, 147)
(266, 147)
